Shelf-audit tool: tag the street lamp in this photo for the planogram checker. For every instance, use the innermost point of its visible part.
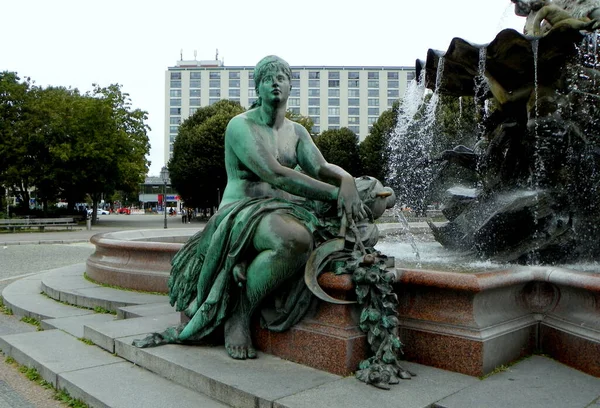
(164, 176)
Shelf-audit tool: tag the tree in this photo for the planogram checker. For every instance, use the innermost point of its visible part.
(373, 152)
(197, 169)
(340, 146)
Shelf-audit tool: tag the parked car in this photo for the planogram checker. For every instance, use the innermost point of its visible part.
(102, 212)
(124, 210)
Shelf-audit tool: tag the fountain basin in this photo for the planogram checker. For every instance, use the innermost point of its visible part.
(464, 322)
(136, 259)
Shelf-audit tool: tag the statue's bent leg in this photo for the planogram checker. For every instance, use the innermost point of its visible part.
(283, 245)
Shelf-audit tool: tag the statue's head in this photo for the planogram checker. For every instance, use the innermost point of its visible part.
(270, 64)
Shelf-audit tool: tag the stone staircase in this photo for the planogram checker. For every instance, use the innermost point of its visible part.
(113, 373)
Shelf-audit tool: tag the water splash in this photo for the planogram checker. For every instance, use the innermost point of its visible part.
(405, 230)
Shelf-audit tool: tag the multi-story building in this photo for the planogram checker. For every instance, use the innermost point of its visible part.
(332, 96)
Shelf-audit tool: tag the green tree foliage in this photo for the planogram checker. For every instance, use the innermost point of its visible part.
(373, 152)
(197, 169)
(69, 145)
(340, 146)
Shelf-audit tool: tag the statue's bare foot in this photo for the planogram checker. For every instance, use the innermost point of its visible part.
(237, 338)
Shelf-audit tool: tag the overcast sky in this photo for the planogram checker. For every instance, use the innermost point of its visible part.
(132, 42)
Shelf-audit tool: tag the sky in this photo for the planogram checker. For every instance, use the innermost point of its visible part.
(75, 43)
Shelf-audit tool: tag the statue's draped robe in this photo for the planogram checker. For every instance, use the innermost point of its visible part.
(202, 271)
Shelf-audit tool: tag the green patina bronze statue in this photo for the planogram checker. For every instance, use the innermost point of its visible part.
(282, 200)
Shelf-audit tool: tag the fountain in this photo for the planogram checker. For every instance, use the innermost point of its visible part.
(528, 196)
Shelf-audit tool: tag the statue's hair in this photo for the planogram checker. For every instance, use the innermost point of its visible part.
(270, 63)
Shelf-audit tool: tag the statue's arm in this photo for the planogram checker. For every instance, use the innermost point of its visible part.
(313, 163)
(251, 151)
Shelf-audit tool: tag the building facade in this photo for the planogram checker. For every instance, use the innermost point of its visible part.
(332, 96)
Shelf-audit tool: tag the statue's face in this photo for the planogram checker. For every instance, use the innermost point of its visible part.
(274, 88)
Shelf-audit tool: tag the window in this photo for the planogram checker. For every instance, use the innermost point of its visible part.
(335, 93)
(294, 101)
(392, 75)
(314, 111)
(335, 120)
(391, 102)
(294, 109)
(195, 93)
(334, 75)
(334, 127)
(234, 75)
(373, 84)
(175, 102)
(314, 83)
(316, 129)
(373, 111)
(296, 92)
(353, 83)
(173, 129)
(314, 101)
(373, 75)
(355, 129)
(314, 74)
(410, 75)
(373, 102)
(171, 149)
(195, 83)
(234, 83)
(214, 83)
(175, 84)
(235, 100)
(353, 102)
(172, 138)
(251, 75)
(175, 120)
(373, 93)
(333, 111)
(175, 93)
(212, 101)
(295, 83)
(353, 75)
(234, 93)
(353, 120)
(295, 75)
(251, 83)
(371, 119)
(193, 110)
(252, 92)
(174, 111)
(214, 92)
(393, 93)
(214, 75)
(314, 92)
(353, 93)
(393, 84)
(175, 75)
(353, 111)
(195, 75)
(334, 83)
(251, 100)
(316, 120)
(194, 101)
(333, 101)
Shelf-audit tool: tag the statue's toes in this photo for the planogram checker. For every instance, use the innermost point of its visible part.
(236, 352)
(251, 352)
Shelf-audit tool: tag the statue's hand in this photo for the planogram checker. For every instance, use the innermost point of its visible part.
(349, 201)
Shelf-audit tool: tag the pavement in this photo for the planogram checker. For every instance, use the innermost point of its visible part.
(182, 376)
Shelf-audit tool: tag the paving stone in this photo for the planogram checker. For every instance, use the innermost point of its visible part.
(430, 385)
(74, 325)
(123, 385)
(53, 352)
(153, 309)
(104, 334)
(239, 383)
(535, 382)
(9, 398)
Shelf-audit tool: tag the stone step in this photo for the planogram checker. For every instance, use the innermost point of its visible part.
(103, 334)
(69, 285)
(74, 325)
(24, 298)
(96, 377)
(152, 309)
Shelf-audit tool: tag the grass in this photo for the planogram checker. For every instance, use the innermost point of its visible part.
(86, 341)
(33, 321)
(97, 309)
(4, 309)
(32, 374)
(505, 367)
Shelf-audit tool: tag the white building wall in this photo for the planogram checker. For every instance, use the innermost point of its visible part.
(368, 109)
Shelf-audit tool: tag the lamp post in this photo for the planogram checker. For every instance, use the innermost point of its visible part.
(164, 175)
